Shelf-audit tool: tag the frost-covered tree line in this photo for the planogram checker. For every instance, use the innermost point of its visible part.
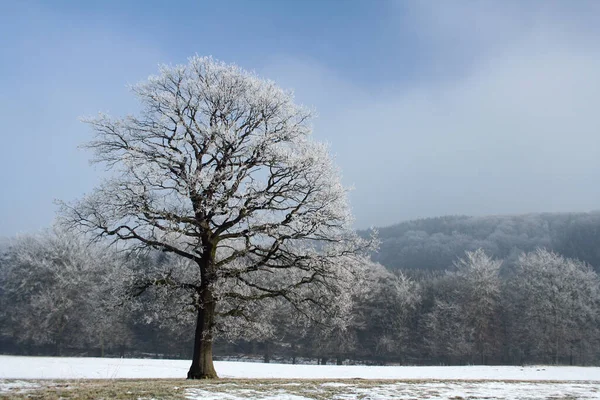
(57, 292)
(62, 295)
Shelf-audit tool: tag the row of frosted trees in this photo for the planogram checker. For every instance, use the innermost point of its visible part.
(59, 295)
(544, 308)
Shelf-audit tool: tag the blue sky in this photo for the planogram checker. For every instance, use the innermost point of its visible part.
(430, 107)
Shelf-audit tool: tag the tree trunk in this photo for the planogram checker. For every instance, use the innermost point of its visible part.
(571, 358)
(202, 361)
(267, 353)
(102, 345)
(556, 351)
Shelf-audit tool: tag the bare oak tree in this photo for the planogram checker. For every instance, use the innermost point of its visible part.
(219, 169)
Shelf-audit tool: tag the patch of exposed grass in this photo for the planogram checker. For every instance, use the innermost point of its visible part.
(274, 388)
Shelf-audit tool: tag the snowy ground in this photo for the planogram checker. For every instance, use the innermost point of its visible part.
(407, 390)
(17, 367)
(297, 382)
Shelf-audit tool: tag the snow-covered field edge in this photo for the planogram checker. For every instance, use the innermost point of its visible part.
(22, 367)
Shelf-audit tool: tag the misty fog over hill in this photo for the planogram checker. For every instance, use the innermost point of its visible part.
(435, 243)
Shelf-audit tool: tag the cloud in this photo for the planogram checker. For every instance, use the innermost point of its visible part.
(513, 128)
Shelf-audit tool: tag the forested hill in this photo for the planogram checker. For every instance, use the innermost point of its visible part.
(434, 243)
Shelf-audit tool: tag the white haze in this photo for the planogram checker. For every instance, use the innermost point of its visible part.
(507, 124)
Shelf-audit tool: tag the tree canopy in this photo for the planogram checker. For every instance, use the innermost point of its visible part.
(220, 169)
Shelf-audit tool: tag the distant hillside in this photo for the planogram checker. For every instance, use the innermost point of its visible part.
(434, 243)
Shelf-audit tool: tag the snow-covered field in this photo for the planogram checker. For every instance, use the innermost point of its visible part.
(313, 381)
(18, 367)
(406, 390)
